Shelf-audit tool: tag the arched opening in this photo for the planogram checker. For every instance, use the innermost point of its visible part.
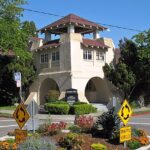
(46, 86)
(95, 91)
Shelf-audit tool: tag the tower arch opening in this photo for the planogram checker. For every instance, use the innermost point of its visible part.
(47, 85)
(95, 90)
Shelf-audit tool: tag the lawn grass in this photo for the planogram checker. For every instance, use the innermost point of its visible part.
(7, 107)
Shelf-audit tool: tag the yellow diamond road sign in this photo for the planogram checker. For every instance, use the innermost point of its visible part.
(21, 115)
(125, 112)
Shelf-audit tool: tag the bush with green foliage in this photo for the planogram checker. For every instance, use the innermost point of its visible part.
(52, 96)
(75, 129)
(71, 141)
(134, 104)
(133, 144)
(33, 143)
(81, 109)
(98, 146)
(53, 108)
(79, 103)
(110, 122)
(85, 123)
(43, 128)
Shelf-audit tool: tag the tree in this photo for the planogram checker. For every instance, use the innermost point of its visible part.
(14, 36)
(132, 73)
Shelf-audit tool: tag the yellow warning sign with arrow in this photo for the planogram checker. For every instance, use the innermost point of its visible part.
(125, 112)
(21, 115)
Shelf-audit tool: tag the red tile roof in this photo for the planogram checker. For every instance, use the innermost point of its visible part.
(54, 43)
(71, 18)
(95, 43)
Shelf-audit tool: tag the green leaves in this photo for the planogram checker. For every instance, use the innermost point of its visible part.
(14, 36)
(133, 69)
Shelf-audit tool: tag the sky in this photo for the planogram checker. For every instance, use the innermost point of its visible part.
(133, 14)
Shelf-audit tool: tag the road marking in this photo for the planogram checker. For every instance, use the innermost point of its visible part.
(136, 123)
(8, 126)
(6, 120)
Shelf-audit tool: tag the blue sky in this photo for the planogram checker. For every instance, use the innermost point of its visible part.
(126, 13)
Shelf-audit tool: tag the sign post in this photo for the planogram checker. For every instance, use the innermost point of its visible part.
(125, 113)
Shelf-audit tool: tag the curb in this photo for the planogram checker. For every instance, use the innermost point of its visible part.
(144, 113)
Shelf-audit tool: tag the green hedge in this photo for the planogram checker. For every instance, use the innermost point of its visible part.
(81, 109)
(53, 108)
(79, 103)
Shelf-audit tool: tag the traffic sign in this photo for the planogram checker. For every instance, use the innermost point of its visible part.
(21, 115)
(125, 134)
(17, 76)
(20, 135)
(125, 112)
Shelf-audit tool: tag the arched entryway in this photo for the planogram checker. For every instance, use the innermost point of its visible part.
(47, 85)
(95, 90)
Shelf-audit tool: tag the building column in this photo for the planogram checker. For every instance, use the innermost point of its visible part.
(96, 34)
(47, 36)
(71, 28)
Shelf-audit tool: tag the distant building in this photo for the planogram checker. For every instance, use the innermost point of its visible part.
(72, 61)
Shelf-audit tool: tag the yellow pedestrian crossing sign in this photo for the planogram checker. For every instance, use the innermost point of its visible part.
(125, 112)
(21, 115)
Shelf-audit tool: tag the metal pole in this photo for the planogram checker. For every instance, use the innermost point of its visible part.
(125, 143)
(33, 127)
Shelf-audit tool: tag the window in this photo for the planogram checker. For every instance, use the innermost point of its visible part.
(44, 58)
(100, 55)
(87, 55)
(55, 56)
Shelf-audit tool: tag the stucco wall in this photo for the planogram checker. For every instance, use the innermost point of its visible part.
(75, 72)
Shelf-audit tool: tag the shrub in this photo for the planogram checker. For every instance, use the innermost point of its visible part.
(33, 143)
(75, 129)
(79, 103)
(134, 104)
(60, 102)
(98, 146)
(133, 144)
(57, 108)
(52, 96)
(85, 123)
(43, 128)
(110, 123)
(81, 109)
(54, 128)
(8, 145)
(71, 141)
(140, 136)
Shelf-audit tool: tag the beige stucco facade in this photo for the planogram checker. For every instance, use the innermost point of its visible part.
(72, 71)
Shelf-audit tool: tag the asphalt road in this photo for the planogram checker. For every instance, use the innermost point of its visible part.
(6, 125)
(141, 122)
(9, 124)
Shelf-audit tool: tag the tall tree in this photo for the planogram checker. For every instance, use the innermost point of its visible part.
(132, 73)
(14, 36)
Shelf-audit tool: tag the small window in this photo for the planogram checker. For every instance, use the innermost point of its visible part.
(55, 56)
(87, 55)
(44, 58)
(100, 55)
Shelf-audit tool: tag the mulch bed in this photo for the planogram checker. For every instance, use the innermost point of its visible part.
(88, 140)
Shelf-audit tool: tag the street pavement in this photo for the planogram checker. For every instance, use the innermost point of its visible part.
(9, 124)
(141, 122)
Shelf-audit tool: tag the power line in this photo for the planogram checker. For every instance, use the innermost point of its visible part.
(109, 25)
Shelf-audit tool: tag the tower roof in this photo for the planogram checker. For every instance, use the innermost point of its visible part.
(81, 25)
